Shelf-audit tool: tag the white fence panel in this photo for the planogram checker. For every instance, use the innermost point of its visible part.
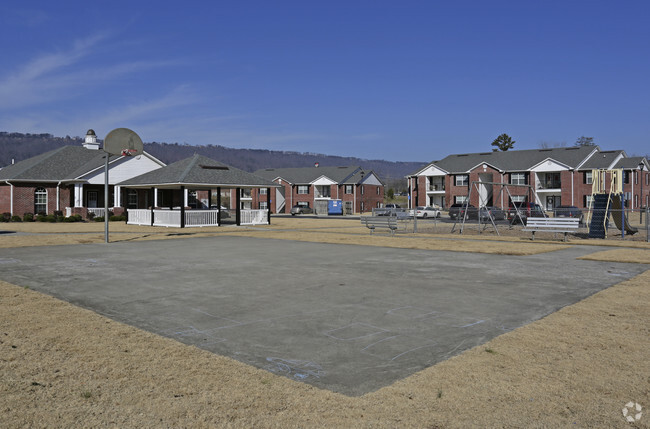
(139, 217)
(254, 217)
(201, 218)
(96, 211)
(167, 218)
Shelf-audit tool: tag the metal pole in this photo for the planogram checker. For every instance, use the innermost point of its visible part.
(106, 199)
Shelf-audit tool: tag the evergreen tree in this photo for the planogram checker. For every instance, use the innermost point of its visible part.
(503, 143)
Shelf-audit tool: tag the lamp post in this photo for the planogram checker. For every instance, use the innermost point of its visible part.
(641, 166)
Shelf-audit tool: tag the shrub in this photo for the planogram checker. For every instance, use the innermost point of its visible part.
(69, 219)
(28, 217)
(6, 216)
(50, 218)
(117, 218)
(41, 218)
(97, 218)
(16, 218)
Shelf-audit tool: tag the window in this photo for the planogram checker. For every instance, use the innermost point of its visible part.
(588, 178)
(587, 200)
(362, 189)
(191, 199)
(245, 193)
(132, 199)
(303, 189)
(348, 189)
(378, 191)
(264, 205)
(462, 179)
(378, 204)
(460, 199)
(518, 199)
(518, 179)
(40, 201)
(626, 177)
(302, 204)
(262, 191)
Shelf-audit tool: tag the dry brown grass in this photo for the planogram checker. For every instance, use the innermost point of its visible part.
(63, 366)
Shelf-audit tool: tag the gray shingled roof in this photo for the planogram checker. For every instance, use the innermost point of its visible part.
(631, 163)
(66, 163)
(306, 175)
(514, 160)
(601, 159)
(198, 171)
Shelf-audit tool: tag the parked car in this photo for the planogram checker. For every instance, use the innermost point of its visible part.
(568, 211)
(426, 212)
(223, 211)
(388, 210)
(486, 213)
(525, 211)
(301, 210)
(458, 210)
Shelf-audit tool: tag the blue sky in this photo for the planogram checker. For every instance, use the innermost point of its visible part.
(404, 81)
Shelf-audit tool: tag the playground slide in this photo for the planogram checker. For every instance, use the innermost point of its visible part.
(617, 214)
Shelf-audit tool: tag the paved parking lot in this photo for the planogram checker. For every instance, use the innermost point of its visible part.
(347, 318)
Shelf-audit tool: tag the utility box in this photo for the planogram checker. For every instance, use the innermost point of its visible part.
(335, 207)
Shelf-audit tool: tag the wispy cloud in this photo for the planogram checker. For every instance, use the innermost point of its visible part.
(65, 74)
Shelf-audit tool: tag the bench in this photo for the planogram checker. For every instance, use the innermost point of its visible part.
(382, 222)
(552, 224)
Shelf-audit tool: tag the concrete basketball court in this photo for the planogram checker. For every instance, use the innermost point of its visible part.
(347, 318)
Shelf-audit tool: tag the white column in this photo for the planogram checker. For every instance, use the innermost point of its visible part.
(155, 197)
(58, 193)
(185, 191)
(11, 198)
(117, 198)
(78, 194)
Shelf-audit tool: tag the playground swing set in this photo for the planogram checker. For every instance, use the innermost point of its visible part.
(607, 200)
(484, 190)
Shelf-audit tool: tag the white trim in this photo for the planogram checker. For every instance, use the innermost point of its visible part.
(580, 164)
(549, 166)
(323, 181)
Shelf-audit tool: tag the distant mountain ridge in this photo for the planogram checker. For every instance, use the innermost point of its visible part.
(17, 147)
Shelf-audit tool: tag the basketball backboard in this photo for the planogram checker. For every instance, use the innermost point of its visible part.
(123, 141)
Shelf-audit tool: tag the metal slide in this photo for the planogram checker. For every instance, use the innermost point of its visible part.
(617, 215)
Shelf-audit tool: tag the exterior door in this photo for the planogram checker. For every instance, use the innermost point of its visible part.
(92, 199)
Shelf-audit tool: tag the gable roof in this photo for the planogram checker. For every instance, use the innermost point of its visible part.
(199, 171)
(512, 160)
(631, 163)
(306, 175)
(602, 159)
(67, 163)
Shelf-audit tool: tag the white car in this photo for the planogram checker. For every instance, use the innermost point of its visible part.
(426, 212)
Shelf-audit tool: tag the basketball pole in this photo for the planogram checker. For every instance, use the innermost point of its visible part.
(106, 198)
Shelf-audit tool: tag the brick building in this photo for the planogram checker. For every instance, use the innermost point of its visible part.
(70, 180)
(559, 176)
(359, 190)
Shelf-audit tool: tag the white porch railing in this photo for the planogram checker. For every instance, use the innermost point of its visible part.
(166, 218)
(255, 217)
(139, 217)
(201, 218)
(193, 218)
(96, 211)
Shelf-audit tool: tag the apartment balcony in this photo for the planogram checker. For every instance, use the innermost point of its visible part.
(436, 187)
